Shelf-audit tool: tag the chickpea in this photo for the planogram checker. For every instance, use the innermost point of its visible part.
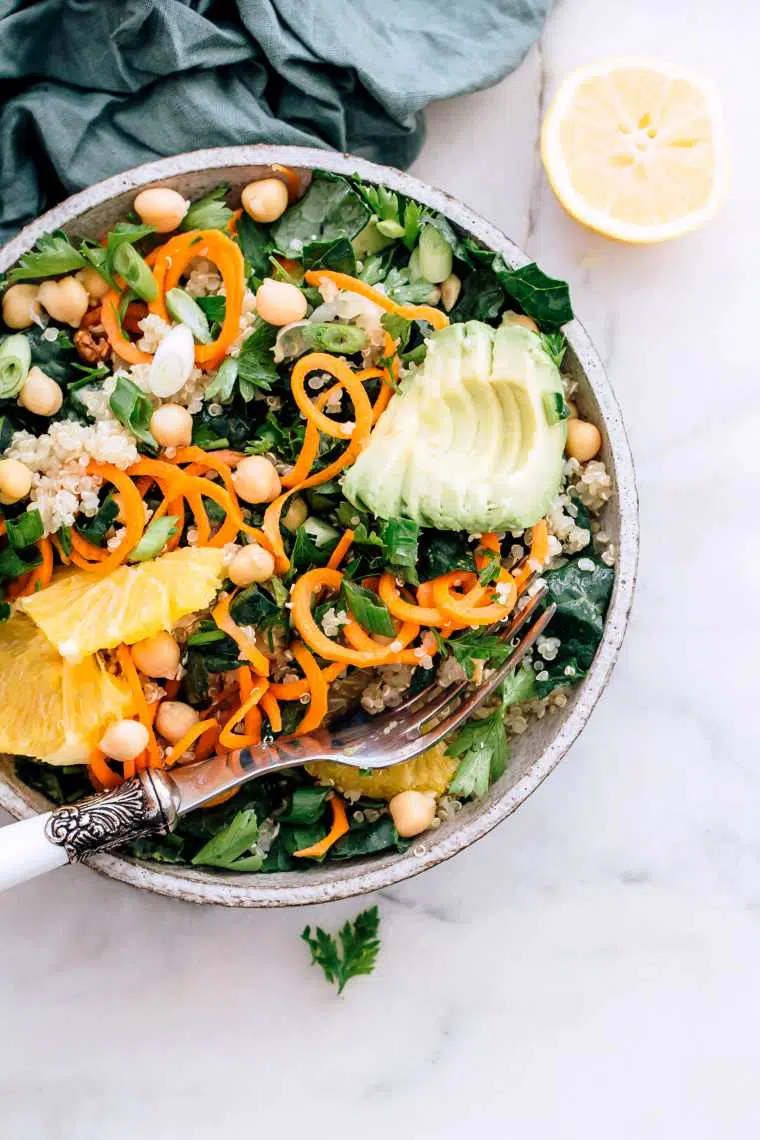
(161, 208)
(124, 740)
(66, 300)
(266, 200)
(96, 286)
(279, 302)
(584, 440)
(21, 306)
(171, 426)
(157, 656)
(174, 719)
(256, 480)
(412, 812)
(295, 515)
(40, 394)
(251, 564)
(450, 290)
(15, 481)
(526, 322)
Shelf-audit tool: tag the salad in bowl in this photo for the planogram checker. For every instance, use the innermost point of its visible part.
(269, 455)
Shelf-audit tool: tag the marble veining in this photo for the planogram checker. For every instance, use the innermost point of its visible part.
(590, 969)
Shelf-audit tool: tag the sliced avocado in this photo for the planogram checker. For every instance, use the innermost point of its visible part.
(474, 438)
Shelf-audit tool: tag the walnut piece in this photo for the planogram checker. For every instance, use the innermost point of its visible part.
(92, 344)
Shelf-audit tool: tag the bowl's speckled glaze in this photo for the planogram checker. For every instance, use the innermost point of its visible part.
(541, 748)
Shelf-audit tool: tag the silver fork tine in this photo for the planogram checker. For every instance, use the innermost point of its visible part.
(440, 701)
(484, 691)
(446, 696)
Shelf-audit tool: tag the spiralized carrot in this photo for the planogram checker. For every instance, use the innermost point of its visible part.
(231, 739)
(407, 611)
(301, 595)
(270, 706)
(173, 259)
(144, 714)
(338, 828)
(538, 557)
(207, 741)
(294, 690)
(132, 508)
(427, 313)
(222, 617)
(359, 435)
(317, 710)
(466, 608)
(292, 180)
(109, 318)
(187, 741)
(341, 550)
(101, 771)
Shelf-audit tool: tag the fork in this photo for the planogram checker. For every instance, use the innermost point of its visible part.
(155, 800)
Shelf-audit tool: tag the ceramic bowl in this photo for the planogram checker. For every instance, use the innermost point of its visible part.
(535, 753)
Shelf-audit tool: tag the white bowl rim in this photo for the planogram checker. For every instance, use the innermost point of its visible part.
(338, 881)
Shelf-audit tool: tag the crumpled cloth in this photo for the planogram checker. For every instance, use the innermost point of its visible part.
(90, 88)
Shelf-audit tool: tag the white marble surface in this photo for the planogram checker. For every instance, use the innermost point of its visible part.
(592, 969)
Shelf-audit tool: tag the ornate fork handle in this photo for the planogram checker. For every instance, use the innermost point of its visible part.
(145, 805)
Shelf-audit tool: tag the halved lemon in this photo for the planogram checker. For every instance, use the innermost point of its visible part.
(430, 772)
(51, 709)
(634, 148)
(81, 612)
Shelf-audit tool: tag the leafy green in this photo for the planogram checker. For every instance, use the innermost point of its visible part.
(544, 298)
(157, 534)
(398, 327)
(210, 212)
(307, 805)
(442, 551)
(25, 530)
(6, 432)
(133, 409)
(306, 552)
(227, 849)
(400, 538)
(582, 597)
(351, 953)
(555, 345)
(61, 783)
(518, 686)
(370, 612)
(55, 357)
(256, 367)
(483, 752)
(368, 839)
(256, 607)
(214, 308)
(64, 539)
(334, 253)
(481, 299)
(275, 435)
(256, 244)
(96, 528)
(491, 569)
(330, 209)
(52, 255)
(397, 217)
(12, 565)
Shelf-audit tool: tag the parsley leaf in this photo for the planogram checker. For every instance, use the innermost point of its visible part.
(555, 346)
(53, 254)
(256, 367)
(227, 849)
(350, 953)
(483, 752)
(209, 213)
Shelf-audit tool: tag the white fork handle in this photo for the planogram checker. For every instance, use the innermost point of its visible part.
(26, 851)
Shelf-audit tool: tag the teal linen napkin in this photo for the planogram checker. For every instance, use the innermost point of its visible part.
(93, 87)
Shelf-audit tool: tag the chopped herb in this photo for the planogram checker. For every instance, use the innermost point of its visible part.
(350, 953)
(256, 367)
(483, 752)
(227, 849)
(25, 530)
(210, 212)
(492, 568)
(256, 244)
(400, 538)
(214, 308)
(370, 612)
(53, 254)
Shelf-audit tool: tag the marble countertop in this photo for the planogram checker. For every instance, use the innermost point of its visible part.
(592, 968)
